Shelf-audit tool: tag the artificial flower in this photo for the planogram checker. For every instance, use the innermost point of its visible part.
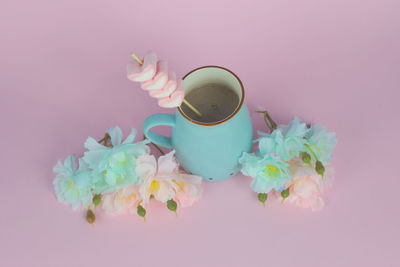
(122, 201)
(268, 172)
(162, 179)
(307, 186)
(72, 184)
(114, 167)
(285, 141)
(190, 189)
(320, 143)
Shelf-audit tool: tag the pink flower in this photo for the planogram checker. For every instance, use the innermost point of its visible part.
(307, 186)
(189, 191)
(163, 180)
(122, 201)
(304, 192)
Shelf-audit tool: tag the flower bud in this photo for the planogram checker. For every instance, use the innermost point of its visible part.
(262, 197)
(305, 157)
(141, 211)
(96, 200)
(171, 205)
(90, 217)
(319, 168)
(285, 194)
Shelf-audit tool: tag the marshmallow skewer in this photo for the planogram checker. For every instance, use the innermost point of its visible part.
(161, 83)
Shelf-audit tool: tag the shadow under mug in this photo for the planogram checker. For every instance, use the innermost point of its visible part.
(210, 150)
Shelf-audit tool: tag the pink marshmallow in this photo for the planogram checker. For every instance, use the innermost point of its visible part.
(174, 100)
(159, 80)
(168, 89)
(155, 78)
(145, 72)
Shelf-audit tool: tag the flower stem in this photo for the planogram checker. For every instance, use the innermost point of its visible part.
(105, 140)
(158, 148)
(271, 124)
(311, 151)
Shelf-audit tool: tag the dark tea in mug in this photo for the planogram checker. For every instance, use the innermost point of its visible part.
(215, 102)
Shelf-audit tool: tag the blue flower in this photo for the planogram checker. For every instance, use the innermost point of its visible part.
(73, 185)
(320, 143)
(268, 172)
(286, 141)
(114, 167)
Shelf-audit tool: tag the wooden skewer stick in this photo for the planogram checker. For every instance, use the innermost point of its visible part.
(195, 110)
(137, 58)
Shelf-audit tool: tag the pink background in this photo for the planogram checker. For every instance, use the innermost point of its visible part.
(62, 78)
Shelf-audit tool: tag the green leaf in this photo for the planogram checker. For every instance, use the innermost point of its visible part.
(96, 200)
(171, 205)
(262, 197)
(90, 217)
(141, 211)
(319, 168)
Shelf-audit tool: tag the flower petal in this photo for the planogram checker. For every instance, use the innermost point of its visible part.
(92, 144)
(261, 185)
(166, 191)
(167, 163)
(250, 164)
(116, 135)
(146, 166)
(59, 168)
(93, 158)
(70, 163)
(131, 137)
(297, 128)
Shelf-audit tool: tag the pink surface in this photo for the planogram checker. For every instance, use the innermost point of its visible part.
(62, 78)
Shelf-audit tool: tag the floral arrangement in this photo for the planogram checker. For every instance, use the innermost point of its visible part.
(291, 163)
(122, 177)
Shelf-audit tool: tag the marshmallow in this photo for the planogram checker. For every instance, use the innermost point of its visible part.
(145, 72)
(155, 78)
(169, 87)
(174, 100)
(159, 80)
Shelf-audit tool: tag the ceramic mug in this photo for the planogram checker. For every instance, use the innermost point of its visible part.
(210, 150)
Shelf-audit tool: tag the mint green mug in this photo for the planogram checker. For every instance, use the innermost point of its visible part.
(207, 149)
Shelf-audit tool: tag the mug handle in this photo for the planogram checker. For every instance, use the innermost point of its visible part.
(158, 120)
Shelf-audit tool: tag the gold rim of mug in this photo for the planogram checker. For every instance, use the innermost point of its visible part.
(227, 118)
